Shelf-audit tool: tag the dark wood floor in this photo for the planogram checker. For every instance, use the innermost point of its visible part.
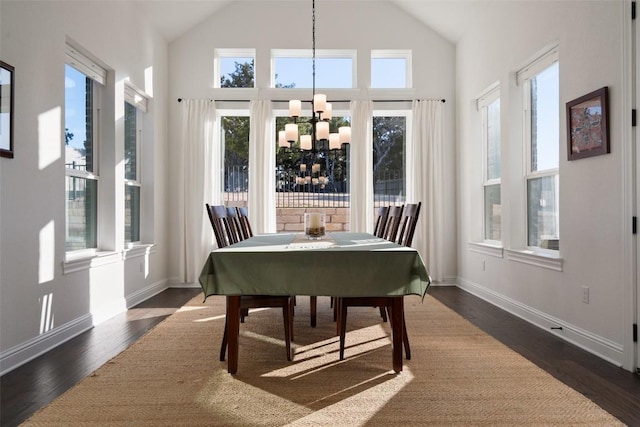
(33, 385)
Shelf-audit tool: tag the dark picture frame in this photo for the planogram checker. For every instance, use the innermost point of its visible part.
(588, 125)
(7, 84)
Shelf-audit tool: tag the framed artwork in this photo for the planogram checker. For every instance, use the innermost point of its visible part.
(588, 125)
(6, 109)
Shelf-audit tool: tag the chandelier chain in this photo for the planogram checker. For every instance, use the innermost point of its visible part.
(313, 46)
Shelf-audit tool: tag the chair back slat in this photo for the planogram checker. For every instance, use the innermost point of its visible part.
(233, 227)
(216, 213)
(409, 222)
(393, 223)
(245, 225)
(381, 221)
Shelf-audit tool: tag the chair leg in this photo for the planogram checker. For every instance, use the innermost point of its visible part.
(286, 314)
(342, 325)
(405, 337)
(383, 314)
(223, 347)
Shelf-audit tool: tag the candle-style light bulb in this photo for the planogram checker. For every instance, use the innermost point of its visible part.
(295, 108)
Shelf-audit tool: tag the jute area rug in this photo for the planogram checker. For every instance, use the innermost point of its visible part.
(458, 375)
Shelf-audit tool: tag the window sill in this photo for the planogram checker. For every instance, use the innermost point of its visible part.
(85, 261)
(137, 250)
(545, 259)
(487, 249)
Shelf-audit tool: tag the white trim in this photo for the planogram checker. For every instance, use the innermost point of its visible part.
(145, 293)
(138, 250)
(489, 95)
(540, 258)
(542, 60)
(36, 346)
(486, 248)
(595, 344)
(136, 97)
(84, 64)
(74, 264)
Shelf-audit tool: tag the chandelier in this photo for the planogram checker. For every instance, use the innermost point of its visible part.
(321, 140)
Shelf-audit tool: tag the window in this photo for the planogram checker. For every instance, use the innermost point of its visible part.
(389, 157)
(135, 105)
(83, 79)
(234, 138)
(391, 69)
(234, 68)
(307, 179)
(489, 105)
(294, 69)
(540, 81)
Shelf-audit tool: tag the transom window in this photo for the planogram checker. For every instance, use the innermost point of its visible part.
(293, 68)
(234, 68)
(391, 69)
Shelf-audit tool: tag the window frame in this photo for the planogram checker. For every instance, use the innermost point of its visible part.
(97, 74)
(407, 113)
(351, 54)
(541, 63)
(405, 54)
(489, 96)
(137, 182)
(220, 53)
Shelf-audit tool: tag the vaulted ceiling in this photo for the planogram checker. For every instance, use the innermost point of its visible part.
(447, 17)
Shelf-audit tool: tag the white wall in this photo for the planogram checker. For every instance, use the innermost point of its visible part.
(594, 225)
(32, 205)
(266, 25)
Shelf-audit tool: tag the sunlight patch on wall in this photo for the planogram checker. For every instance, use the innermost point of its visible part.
(47, 250)
(148, 81)
(46, 316)
(49, 137)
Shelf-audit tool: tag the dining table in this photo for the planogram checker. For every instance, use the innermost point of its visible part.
(341, 264)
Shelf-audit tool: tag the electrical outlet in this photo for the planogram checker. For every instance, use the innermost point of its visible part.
(585, 294)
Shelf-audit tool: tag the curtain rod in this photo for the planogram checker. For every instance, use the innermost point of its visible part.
(341, 100)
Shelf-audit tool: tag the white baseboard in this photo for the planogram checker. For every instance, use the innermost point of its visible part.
(595, 344)
(174, 282)
(30, 349)
(144, 294)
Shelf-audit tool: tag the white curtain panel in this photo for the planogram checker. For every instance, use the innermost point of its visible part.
(262, 160)
(199, 173)
(361, 166)
(426, 183)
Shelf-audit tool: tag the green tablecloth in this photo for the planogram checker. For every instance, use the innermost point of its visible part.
(340, 265)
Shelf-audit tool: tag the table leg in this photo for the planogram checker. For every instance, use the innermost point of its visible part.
(313, 308)
(233, 331)
(397, 326)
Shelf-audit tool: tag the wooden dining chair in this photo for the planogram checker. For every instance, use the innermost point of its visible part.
(243, 216)
(407, 225)
(233, 223)
(381, 221)
(393, 223)
(221, 225)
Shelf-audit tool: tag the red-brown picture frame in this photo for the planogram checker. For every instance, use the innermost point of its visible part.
(588, 125)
